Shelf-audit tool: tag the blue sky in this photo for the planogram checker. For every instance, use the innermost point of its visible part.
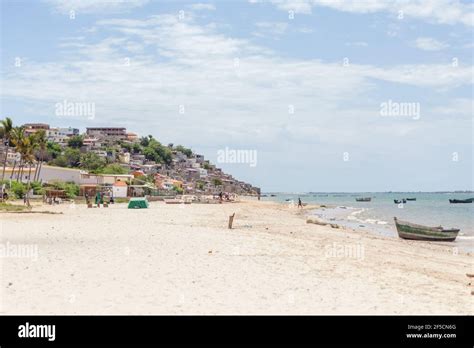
(239, 68)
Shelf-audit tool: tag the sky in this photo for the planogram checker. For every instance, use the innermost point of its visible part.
(324, 95)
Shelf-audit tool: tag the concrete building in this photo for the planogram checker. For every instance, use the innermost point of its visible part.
(36, 126)
(68, 132)
(114, 132)
(120, 189)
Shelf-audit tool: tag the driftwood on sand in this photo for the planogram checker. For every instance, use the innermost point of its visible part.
(231, 220)
(33, 212)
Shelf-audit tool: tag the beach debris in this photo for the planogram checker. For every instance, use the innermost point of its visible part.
(470, 275)
(209, 252)
(334, 225)
(36, 212)
(231, 220)
(316, 222)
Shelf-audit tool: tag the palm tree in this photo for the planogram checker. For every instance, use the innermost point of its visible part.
(41, 142)
(7, 126)
(29, 145)
(18, 138)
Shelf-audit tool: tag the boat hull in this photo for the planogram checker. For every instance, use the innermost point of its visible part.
(407, 230)
(457, 201)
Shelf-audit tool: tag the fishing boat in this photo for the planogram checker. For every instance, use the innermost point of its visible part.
(363, 199)
(411, 199)
(408, 230)
(396, 201)
(469, 200)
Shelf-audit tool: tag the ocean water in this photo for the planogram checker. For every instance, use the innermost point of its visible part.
(432, 209)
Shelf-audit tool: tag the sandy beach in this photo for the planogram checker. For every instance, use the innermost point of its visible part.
(182, 259)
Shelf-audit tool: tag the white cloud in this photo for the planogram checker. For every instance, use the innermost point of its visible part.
(429, 44)
(435, 11)
(202, 6)
(94, 6)
(234, 93)
(273, 28)
(357, 44)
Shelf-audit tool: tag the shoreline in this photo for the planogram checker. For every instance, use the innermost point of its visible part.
(182, 259)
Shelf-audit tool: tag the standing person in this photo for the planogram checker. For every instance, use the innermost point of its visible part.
(220, 196)
(98, 199)
(300, 204)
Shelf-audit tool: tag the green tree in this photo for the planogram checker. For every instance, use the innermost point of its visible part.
(114, 168)
(200, 185)
(92, 161)
(137, 148)
(186, 151)
(53, 150)
(151, 155)
(178, 189)
(144, 141)
(73, 157)
(127, 146)
(217, 182)
(37, 188)
(60, 161)
(76, 141)
(18, 189)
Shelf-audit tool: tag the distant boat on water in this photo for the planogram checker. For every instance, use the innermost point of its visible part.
(363, 199)
(469, 200)
(408, 230)
(411, 199)
(396, 201)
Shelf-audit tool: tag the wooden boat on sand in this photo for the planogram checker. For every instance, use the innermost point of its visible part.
(469, 200)
(408, 230)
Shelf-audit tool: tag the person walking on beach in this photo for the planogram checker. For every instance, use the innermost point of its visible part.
(300, 204)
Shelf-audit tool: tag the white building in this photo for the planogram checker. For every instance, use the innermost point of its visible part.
(119, 189)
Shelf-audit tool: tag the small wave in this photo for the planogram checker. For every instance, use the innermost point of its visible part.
(464, 237)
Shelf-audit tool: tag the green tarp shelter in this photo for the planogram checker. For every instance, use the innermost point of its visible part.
(138, 203)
